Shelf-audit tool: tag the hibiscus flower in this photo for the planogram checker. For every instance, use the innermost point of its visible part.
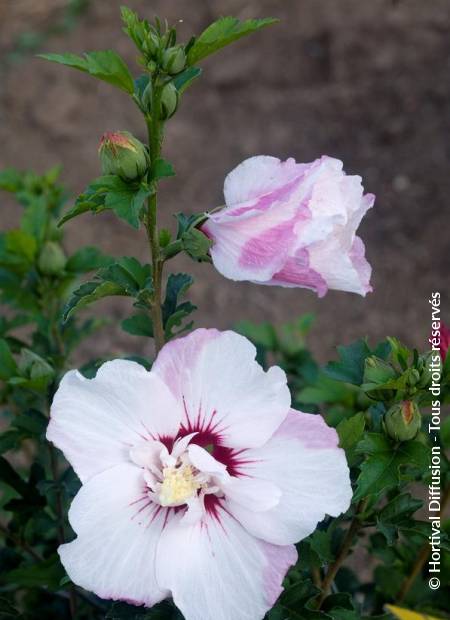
(197, 478)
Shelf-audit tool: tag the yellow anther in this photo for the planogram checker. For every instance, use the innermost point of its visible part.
(178, 485)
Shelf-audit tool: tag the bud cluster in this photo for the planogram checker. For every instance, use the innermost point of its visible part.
(159, 50)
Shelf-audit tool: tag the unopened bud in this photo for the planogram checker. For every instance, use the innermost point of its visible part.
(174, 60)
(402, 421)
(52, 259)
(377, 370)
(169, 101)
(123, 154)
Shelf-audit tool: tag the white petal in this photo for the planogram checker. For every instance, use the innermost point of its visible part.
(257, 176)
(303, 460)
(225, 391)
(253, 494)
(117, 535)
(96, 421)
(217, 571)
(202, 460)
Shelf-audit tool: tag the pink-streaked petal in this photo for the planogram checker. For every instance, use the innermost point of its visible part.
(361, 265)
(224, 390)
(96, 421)
(303, 460)
(215, 570)
(257, 176)
(256, 246)
(118, 530)
(296, 272)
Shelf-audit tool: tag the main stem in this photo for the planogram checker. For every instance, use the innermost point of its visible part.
(347, 543)
(154, 127)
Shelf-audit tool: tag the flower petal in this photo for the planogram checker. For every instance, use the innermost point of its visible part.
(95, 422)
(117, 535)
(257, 176)
(215, 570)
(224, 389)
(303, 460)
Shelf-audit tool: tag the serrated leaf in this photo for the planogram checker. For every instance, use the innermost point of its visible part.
(350, 432)
(350, 367)
(173, 312)
(89, 292)
(222, 32)
(382, 469)
(138, 325)
(105, 65)
(397, 514)
(320, 542)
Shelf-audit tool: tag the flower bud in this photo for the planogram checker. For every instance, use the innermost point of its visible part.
(174, 60)
(52, 259)
(169, 101)
(376, 370)
(423, 366)
(402, 421)
(123, 154)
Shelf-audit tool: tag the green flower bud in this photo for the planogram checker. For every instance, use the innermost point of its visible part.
(169, 101)
(174, 60)
(52, 259)
(196, 244)
(402, 421)
(123, 154)
(377, 370)
(423, 366)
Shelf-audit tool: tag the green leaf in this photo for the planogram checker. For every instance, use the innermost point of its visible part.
(350, 367)
(350, 432)
(320, 542)
(8, 366)
(89, 292)
(47, 573)
(173, 312)
(125, 277)
(261, 334)
(397, 514)
(10, 477)
(222, 32)
(87, 259)
(22, 244)
(138, 325)
(10, 180)
(385, 462)
(163, 169)
(127, 202)
(184, 79)
(106, 65)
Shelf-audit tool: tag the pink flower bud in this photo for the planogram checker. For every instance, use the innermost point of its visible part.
(123, 154)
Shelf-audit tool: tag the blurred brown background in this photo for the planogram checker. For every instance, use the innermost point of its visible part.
(368, 82)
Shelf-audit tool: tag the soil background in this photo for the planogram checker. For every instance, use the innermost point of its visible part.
(367, 82)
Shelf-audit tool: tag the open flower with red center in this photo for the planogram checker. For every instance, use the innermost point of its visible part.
(292, 225)
(197, 478)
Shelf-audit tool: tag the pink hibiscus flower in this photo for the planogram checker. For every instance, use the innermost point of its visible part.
(292, 225)
(197, 478)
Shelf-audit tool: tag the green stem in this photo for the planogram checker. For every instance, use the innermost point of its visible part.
(347, 543)
(155, 130)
